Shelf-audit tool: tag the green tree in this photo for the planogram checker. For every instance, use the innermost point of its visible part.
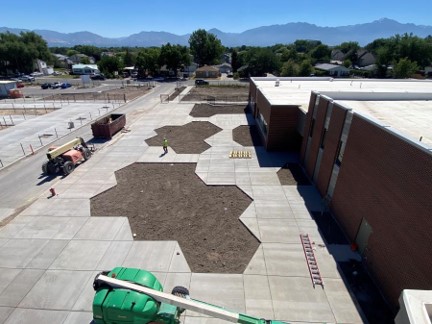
(404, 68)
(235, 62)
(305, 68)
(205, 47)
(89, 50)
(147, 61)
(174, 56)
(128, 59)
(321, 53)
(305, 45)
(289, 68)
(262, 61)
(18, 53)
(108, 65)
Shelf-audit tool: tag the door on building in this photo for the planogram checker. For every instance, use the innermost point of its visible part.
(363, 234)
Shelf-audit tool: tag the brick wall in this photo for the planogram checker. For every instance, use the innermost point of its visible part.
(316, 136)
(388, 181)
(307, 126)
(331, 144)
(283, 133)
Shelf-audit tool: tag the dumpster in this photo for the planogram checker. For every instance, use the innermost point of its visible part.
(107, 126)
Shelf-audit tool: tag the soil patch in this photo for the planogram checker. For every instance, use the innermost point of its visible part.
(207, 110)
(176, 93)
(186, 139)
(247, 135)
(218, 93)
(170, 202)
(27, 111)
(292, 174)
(120, 94)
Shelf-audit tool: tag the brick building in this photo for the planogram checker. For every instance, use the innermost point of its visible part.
(367, 146)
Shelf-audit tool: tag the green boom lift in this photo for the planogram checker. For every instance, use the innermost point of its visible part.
(129, 295)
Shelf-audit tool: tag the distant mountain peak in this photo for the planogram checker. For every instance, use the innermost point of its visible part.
(259, 36)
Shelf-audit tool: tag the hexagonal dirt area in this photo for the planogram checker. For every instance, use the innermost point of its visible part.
(292, 174)
(186, 139)
(247, 135)
(166, 201)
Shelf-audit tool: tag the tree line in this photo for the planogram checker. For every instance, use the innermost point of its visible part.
(400, 56)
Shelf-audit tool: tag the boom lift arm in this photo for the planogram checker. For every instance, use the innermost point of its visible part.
(105, 281)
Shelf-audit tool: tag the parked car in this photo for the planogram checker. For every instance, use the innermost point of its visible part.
(201, 82)
(97, 77)
(19, 84)
(56, 85)
(27, 78)
(65, 85)
(36, 74)
(46, 85)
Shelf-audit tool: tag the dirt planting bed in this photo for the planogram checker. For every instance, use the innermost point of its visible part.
(208, 110)
(218, 93)
(120, 94)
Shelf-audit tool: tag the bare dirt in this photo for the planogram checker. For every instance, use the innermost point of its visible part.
(234, 93)
(292, 174)
(168, 201)
(120, 94)
(208, 110)
(185, 139)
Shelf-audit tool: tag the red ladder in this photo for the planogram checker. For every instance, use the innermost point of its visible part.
(311, 260)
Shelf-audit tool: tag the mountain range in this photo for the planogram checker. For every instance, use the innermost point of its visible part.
(260, 36)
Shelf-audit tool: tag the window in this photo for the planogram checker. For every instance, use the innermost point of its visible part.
(339, 154)
(311, 127)
(323, 135)
(262, 123)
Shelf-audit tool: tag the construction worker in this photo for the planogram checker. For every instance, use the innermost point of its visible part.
(165, 145)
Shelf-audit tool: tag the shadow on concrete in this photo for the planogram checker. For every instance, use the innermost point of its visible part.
(353, 272)
(45, 178)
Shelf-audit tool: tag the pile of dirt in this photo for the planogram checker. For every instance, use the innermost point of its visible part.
(170, 202)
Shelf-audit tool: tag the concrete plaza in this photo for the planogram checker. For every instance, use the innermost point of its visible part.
(51, 252)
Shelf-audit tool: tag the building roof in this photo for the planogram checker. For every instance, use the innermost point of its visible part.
(82, 66)
(7, 81)
(329, 67)
(403, 105)
(208, 68)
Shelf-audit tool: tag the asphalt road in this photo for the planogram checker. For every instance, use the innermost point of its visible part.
(22, 182)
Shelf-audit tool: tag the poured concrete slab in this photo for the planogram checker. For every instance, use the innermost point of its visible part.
(19, 286)
(115, 255)
(4, 313)
(17, 253)
(45, 257)
(57, 289)
(285, 260)
(341, 302)
(32, 316)
(79, 317)
(58, 207)
(100, 228)
(295, 299)
(151, 255)
(225, 290)
(81, 255)
(258, 297)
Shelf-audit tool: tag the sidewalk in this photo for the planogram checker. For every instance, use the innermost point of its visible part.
(50, 253)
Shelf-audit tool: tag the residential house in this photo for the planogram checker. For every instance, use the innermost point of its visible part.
(365, 58)
(225, 68)
(63, 61)
(333, 69)
(207, 71)
(78, 58)
(42, 67)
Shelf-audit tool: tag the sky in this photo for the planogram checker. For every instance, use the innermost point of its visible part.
(118, 18)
